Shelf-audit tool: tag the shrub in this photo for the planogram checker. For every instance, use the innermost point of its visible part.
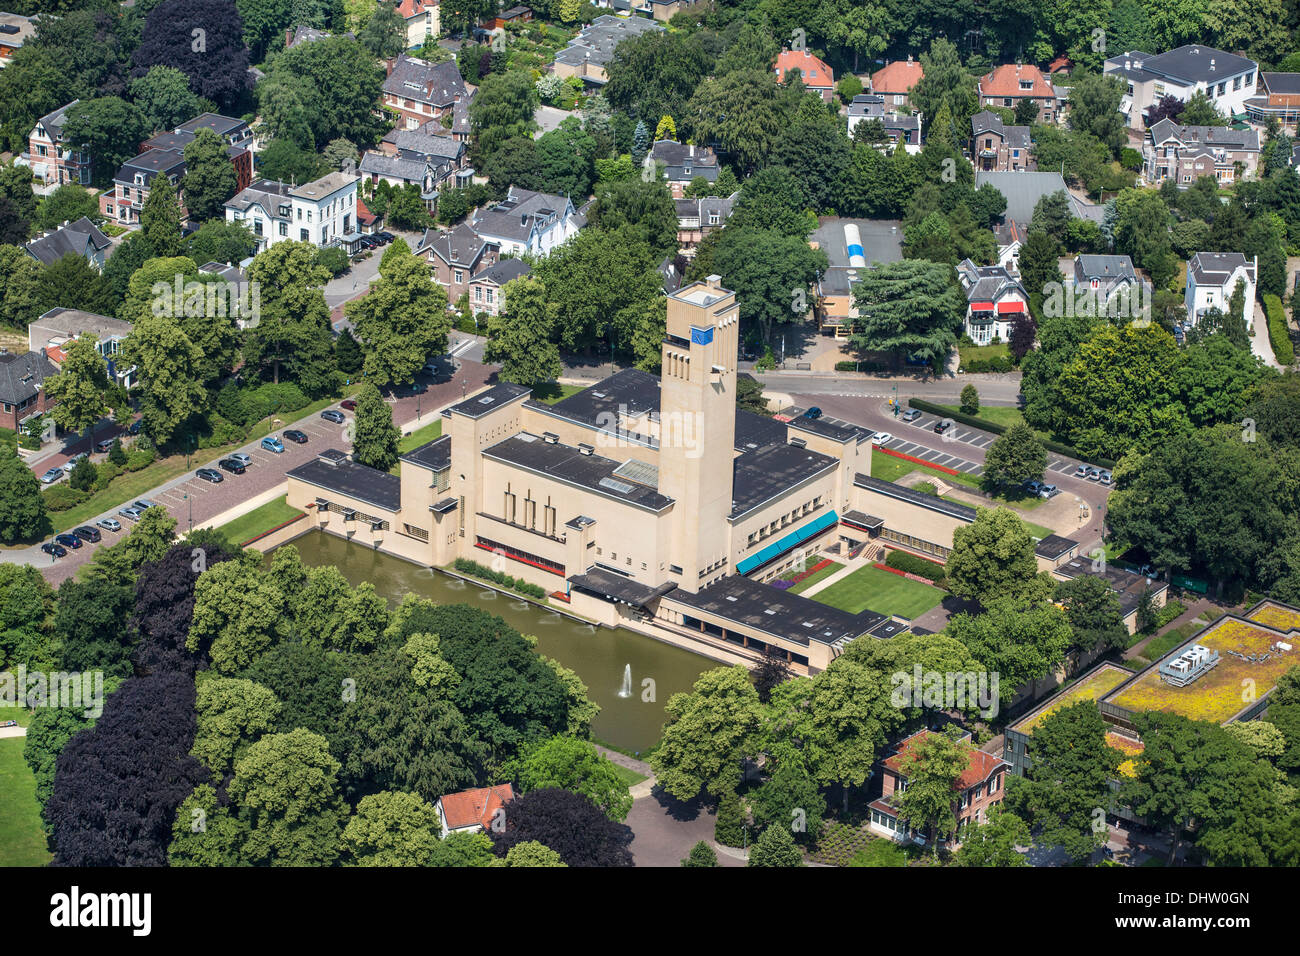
(83, 475)
(970, 400)
(902, 561)
(729, 829)
(1278, 336)
(107, 472)
(140, 458)
(117, 454)
(62, 497)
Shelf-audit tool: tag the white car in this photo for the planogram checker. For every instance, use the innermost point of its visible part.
(882, 438)
(240, 457)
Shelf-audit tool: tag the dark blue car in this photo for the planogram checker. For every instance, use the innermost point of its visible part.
(68, 540)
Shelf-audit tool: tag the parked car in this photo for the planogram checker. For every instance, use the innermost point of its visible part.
(240, 457)
(1033, 487)
(813, 413)
(109, 524)
(1081, 471)
(68, 540)
(1094, 474)
(71, 463)
(51, 476)
(130, 513)
(385, 236)
(333, 415)
(232, 465)
(881, 438)
(1105, 477)
(56, 550)
(271, 443)
(295, 436)
(86, 533)
(135, 426)
(911, 415)
(209, 474)
(942, 426)
(349, 403)
(1049, 491)
(144, 504)
(104, 445)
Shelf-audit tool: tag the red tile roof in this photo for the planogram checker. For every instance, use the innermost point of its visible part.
(816, 74)
(1005, 81)
(413, 8)
(364, 216)
(897, 77)
(981, 766)
(1060, 63)
(470, 807)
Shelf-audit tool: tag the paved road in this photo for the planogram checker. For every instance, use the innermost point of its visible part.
(993, 389)
(188, 498)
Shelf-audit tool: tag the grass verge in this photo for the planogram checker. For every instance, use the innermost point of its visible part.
(260, 519)
(871, 589)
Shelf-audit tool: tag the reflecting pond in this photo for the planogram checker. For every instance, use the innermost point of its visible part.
(609, 661)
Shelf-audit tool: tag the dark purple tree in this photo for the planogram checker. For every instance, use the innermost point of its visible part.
(164, 604)
(1167, 107)
(569, 823)
(1023, 332)
(204, 39)
(118, 784)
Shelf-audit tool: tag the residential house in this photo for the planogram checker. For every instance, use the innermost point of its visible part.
(79, 238)
(401, 171)
(1114, 285)
(684, 162)
(816, 75)
(238, 296)
(57, 329)
(132, 184)
(432, 139)
(456, 255)
(1024, 190)
(994, 298)
(1279, 98)
(418, 91)
(485, 289)
(994, 146)
(1186, 153)
(234, 132)
(368, 223)
(979, 787)
(1226, 79)
(1009, 235)
(516, 14)
(527, 222)
(471, 811)
(429, 157)
(852, 247)
(21, 395)
(1212, 278)
(52, 160)
(698, 217)
(15, 30)
(590, 51)
(322, 212)
(1008, 84)
(422, 21)
(894, 82)
(901, 129)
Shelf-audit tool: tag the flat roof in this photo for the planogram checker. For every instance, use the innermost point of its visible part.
(1092, 686)
(476, 406)
(779, 613)
(608, 584)
(952, 509)
(761, 475)
(567, 464)
(1217, 695)
(436, 455)
(352, 480)
(1053, 546)
(1127, 585)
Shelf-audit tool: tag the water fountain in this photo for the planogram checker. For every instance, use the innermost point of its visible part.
(626, 689)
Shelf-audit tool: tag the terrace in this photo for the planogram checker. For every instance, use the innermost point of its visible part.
(1249, 666)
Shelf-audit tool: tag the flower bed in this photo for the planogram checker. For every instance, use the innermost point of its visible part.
(919, 461)
(786, 583)
(903, 574)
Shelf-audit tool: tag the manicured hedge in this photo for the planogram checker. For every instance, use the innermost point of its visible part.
(466, 566)
(983, 423)
(1278, 335)
(902, 561)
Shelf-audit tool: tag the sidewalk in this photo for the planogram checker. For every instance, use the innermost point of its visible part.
(1260, 344)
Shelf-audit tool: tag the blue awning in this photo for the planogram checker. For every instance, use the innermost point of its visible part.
(784, 544)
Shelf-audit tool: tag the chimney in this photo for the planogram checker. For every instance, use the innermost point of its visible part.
(714, 281)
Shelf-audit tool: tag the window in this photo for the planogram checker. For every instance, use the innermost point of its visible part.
(458, 276)
(489, 296)
(478, 293)
(304, 235)
(284, 229)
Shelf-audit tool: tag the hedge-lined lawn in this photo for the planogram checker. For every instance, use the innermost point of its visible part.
(871, 589)
(421, 436)
(22, 839)
(812, 579)
(1004, 415)
(891, 468)
(260, 519)
(979, 353)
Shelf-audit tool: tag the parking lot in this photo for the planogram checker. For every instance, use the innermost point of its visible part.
(958, 432)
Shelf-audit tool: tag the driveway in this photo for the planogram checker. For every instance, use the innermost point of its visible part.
(548, 118)
(1260, 344)
(357, 278)
(193, 501)
(664, 830)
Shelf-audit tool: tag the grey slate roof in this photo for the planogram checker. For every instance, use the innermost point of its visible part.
(438, 84)
(77, 238)
(396, 167)
(458, 246)
(267, 192)
(431, 139)
(986, 121)
(1190, 63)
(987, 283)
(21, 374)
(53, 122)
(1214, 268)
(503, 271)
(1222, 137)
(514, 217)
(596, 43)
(1023, 190)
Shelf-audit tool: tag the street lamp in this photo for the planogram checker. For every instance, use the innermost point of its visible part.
(895, 402)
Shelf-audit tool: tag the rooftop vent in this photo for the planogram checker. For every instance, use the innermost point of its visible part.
(550, 438)
(585, 449)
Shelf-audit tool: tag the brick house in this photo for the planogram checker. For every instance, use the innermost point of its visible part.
(418, 91)
(980, 786)
(456, 255)
(894, 82)
(1279, 97)
(52, 160)
(485, 293)
(21, 396)
(123, 202)
(996, 147)
(696, 218)
(816, 75)
(1010, 83)
(683, 162)
(1186, 153)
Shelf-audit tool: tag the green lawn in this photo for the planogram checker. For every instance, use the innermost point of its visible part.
(812, 579)
(22, 840)
(629, 776)
(871, 589)
(552, 392)
(1005, 415)
(260, 519)
(421, 436)
(890, 468)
